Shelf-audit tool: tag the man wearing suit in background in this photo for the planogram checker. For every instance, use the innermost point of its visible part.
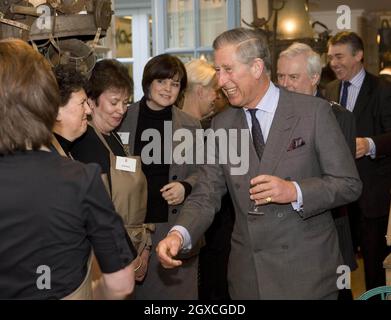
(289, 248)
(298, 70)
(369, 98)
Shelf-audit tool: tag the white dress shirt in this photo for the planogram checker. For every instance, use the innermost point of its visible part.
(353, 92)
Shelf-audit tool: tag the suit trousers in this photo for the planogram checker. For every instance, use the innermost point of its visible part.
(167, 284)
(213, 259)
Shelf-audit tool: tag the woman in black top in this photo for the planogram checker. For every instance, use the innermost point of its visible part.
(109, 91)
(53, 211)
(169, 182)
(71, 121)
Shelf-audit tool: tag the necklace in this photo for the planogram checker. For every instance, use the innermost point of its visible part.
(121, 144)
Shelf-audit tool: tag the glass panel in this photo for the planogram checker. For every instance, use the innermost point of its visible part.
(150, 35)
(180, 23)
(208, 56)
(123, 37)
(129, 66)
(185, 57)
(213, 20)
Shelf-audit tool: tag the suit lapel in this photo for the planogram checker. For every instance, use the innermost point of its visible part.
(132, 115)
(363, 97)
(238, 123)
(176, 124)
(280, 134)
(335, 90)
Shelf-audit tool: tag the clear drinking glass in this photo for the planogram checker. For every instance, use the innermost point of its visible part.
(255, 209)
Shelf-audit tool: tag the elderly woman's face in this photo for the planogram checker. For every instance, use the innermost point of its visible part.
(163, 93)
(73, 115)
(109, 110)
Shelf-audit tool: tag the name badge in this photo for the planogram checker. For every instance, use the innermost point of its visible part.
(124, 137)
(125, 164)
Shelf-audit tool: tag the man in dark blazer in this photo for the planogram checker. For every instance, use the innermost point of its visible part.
(289, 248)
(369, 98)
(299, 70)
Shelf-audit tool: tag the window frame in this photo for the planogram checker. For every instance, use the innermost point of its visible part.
(160, 28)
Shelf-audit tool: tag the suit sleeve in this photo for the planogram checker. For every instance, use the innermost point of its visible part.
(384, 95)
(192, 178)
(110, 242)
(383, 145)
(383, 140)
(347, 124)
(204, 201)
(339, 182)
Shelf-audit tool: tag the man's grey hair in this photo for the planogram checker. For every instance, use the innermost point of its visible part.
(251, 44)
(314, 65)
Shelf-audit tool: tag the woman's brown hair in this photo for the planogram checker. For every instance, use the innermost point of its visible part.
(29, 98)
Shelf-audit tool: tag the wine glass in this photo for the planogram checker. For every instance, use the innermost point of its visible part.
(255, 208)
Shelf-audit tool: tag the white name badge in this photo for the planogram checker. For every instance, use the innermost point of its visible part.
(124, 137)
(125, 164)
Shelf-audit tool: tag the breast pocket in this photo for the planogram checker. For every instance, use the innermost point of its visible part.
(300, 151)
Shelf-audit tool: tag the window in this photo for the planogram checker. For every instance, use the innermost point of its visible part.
(133, 43)
(188, 27)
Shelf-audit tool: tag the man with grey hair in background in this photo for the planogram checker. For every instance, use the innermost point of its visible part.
(299, 70)
(299, 167)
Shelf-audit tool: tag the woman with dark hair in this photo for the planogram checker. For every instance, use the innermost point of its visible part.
(109, 92)
(169, 183)
(53, 211)
(71, 121)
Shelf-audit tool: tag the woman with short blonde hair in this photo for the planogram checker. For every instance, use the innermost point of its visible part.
(200, 93)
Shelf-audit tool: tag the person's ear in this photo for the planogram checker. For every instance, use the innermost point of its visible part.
(91, 103)
(359, 55)
(59, 114)
(315, 79)
(257, 67)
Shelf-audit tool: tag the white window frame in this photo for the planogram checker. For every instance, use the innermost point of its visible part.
(140, 42)
(160, 29)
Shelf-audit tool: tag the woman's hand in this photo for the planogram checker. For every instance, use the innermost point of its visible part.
(173, 193)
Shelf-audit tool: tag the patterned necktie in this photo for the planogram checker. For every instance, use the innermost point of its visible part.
(344, 96)
(256, 132)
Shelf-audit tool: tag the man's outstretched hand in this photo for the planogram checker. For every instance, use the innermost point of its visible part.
(169, 248)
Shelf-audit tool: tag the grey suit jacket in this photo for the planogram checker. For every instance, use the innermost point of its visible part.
(283, 254)
(177, 172)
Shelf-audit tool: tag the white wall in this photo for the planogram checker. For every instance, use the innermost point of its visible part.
(329, 18)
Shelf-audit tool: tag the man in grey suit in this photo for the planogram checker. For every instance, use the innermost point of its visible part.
(300, 167)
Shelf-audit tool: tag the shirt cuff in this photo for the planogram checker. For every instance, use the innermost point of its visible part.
(372, 148)
(186, 246)
(298, 204)
(187, 187)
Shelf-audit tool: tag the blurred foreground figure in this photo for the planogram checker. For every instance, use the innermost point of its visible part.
(53, 211)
